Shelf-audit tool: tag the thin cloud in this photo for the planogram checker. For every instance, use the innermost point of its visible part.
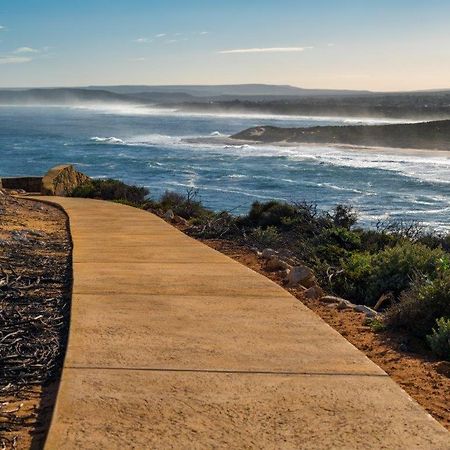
(26, 50)
(203, 33)
(141, 59)
(14, 59)
(142, 40)
(161, 35)
(265, 50)
(2, 27)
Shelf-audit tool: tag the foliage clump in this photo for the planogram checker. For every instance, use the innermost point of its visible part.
(110, 189)
(187, 206)
(421, 305)
(367, 276)
(439, 340)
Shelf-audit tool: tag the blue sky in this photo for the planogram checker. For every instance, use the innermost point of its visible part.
(355, 44)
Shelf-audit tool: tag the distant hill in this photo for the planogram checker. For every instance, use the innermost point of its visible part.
(248, 98)
(236, 90)
(424, 135)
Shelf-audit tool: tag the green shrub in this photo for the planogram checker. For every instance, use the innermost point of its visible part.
(186, 206)
(340, 236)
(366, 277)
(270, 213)
(374, 241)
(344, 216)
(214, 225)
(265, 237)
(419, 307)
(111, 190)
(439, 340)
(376, 325)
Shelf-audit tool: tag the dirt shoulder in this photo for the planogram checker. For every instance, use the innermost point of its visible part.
(35, 281)
(407, 362)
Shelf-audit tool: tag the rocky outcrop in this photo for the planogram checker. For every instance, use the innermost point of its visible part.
(62, 180)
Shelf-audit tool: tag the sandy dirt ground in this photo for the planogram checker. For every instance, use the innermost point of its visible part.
(34, 297)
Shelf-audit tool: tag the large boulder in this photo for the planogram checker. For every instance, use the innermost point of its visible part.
(62, 180)
(301, 275)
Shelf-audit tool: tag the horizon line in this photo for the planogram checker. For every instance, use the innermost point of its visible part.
(85, 86)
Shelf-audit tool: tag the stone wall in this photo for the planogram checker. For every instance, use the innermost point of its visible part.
(61, 180)
(28, 184)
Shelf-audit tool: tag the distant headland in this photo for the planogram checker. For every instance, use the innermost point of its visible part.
(424, 135)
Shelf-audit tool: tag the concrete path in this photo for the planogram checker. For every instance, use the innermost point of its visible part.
(174, 345)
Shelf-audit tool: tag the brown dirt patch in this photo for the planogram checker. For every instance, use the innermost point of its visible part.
(35, 280)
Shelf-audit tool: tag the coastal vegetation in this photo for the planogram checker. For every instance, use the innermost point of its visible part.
(400, 269)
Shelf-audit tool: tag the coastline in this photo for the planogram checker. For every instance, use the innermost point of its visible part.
(229, 141)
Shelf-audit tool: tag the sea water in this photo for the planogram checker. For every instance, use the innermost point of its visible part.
(148, 147)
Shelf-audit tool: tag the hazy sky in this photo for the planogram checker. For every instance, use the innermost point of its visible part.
(355, 44)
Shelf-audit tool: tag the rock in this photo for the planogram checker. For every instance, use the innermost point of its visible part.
(169, 215)
(389, 297)
(301, 275)
(443, 367)
(330, 299)
(62, 180)
(344, 304)
(369, 312)
(274, 264)
(180, 220)
(290, 261)
(268, 253)
(313, 293)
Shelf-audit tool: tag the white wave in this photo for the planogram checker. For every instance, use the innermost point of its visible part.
(108, 140)
(420, 166)
(237, 175)
(335, 187)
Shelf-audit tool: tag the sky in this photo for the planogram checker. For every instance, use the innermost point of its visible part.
(382, 45)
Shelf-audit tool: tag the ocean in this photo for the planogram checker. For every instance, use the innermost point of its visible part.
(147, 147)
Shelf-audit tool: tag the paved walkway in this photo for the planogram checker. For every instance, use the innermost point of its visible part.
(173, 345)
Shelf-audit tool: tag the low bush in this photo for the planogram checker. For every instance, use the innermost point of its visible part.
(186, 206)
(344, 216)
(111, 190)
(273, 213)
(215, 225)
(420, 306)
(265, 237)
(439, 340)
(366, 277)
